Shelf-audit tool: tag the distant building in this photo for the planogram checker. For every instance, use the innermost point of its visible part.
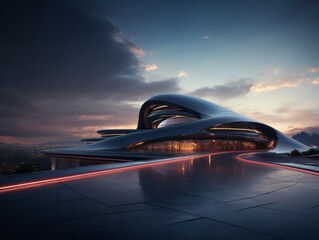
(179, 123)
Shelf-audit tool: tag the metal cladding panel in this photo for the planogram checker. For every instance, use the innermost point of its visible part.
(287, 144)
(116, 131)
(209, 114)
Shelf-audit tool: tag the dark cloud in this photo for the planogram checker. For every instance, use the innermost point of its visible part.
(61, 49)
(62, 58)
(226, 90)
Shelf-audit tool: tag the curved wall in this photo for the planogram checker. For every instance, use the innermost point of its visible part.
(174, 122)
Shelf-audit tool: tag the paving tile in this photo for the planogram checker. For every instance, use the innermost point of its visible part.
(49, 230)
(276, 223)
(134, 207)
(82, 208)
(208, 229)
(227, 199)
(65, 193)
(28, 216)
(142, 223)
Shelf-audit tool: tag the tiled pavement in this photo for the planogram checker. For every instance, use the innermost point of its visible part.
(205, 198)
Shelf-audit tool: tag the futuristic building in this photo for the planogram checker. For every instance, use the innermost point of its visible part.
(174, 123)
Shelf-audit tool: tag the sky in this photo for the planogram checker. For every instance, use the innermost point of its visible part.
(71, 67)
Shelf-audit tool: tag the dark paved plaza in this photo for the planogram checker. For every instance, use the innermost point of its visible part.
(216, 197)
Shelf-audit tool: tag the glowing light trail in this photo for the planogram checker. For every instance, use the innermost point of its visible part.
(42, 182)
(241, 158)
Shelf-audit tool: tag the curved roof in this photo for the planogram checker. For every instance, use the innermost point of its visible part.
(194, 105)
(206, 115)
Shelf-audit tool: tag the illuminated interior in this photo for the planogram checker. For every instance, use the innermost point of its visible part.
(196, 145)
(246, 131)
(224, 137)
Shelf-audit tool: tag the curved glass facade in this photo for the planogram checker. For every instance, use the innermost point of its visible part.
(196, 145)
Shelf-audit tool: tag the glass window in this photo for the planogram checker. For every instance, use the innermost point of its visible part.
(175, 121)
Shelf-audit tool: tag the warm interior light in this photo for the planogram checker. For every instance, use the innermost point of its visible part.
(235, 129)
(194, 145)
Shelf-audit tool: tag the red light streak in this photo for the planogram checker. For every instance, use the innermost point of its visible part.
(241, 158)
(42, 182)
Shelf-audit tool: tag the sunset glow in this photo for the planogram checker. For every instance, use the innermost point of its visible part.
(106, 59)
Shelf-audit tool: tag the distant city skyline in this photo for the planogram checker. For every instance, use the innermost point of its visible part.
(69, 68)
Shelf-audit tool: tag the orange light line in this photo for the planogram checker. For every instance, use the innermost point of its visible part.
(241, 158)
(42, 182)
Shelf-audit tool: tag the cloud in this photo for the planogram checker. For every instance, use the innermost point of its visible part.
(61, 60)
(313, 70)
(309, 130)
(76, 118)
(315, 81)
(226, 90)
(288, 81)
(277, 70)
(286, 118)
(206, 37)
(212, 64)
(69, 54)
(302, 116)
(182, 74)
(243, 86)
(149, 67)
(135, 49)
